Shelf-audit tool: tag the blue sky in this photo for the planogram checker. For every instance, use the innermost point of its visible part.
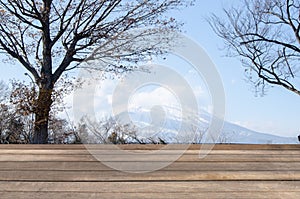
(275, 113)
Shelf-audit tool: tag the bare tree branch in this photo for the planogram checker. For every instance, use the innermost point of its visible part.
(265, 34)
(50, 37)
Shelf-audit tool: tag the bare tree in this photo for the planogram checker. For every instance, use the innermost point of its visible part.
(16, 121)
(12, 125)
(266, 35)
(107, 131)
(112, 131)
(61, 132)
(50, 37)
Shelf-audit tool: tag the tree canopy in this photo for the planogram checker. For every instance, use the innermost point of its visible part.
(51, 37)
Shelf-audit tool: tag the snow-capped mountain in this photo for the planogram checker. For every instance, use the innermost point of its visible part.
(170, 128)
(238, 134)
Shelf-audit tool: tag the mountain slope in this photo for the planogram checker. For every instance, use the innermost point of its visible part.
(170, 124)
(238, 134)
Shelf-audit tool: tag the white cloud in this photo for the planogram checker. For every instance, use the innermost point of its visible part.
(92, 98)
(158, 97)
(101, 94)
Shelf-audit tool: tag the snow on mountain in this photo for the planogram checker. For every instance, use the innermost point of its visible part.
(238, 134)
(160, 123)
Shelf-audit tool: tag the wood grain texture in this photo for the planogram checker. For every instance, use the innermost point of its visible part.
(146, 195)
(177, 166)
(228, 171)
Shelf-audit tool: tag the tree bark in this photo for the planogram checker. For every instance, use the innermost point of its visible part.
(46, 83)
(42, 111)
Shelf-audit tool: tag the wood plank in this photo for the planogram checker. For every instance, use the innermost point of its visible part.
(162, 152)
(156, 147)
(152, 187)
(211, 195)
(153, 158)
(111, 176)
(175, 166)
(228, 171)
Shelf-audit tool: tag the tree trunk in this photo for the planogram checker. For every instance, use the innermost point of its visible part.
(42, 111)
